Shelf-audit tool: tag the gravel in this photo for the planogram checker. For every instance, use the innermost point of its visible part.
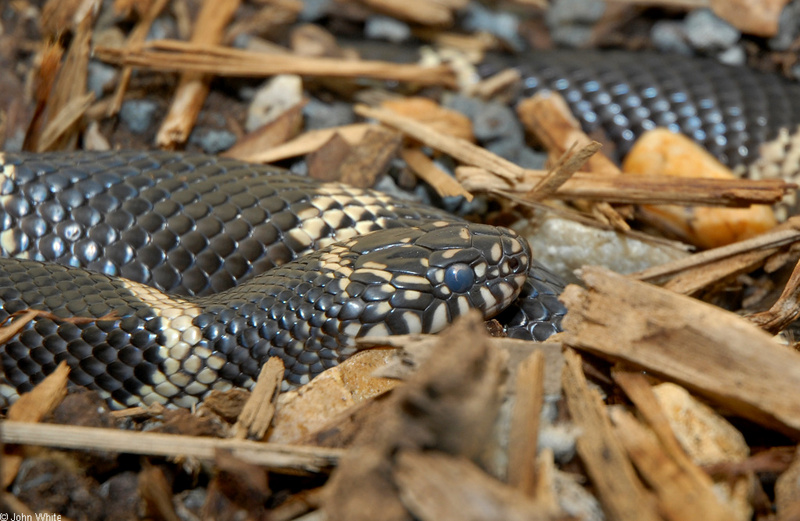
(138, 114)
(709, 33)
(385, 28)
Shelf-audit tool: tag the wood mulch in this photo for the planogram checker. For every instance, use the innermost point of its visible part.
(655, 403)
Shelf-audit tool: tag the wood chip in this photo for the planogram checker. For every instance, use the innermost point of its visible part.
(683, 490)
(307, 143)
(568, 164)
(279, 458)
(449, 405)
(171, 55)
(422, 12)
(156, 493)
(192, 90)
(619, 490)
(690, 274)
(548, 117)
(785, 310)
(444, 184)
(634, 190)
(135, 39)
(370, 158)
(324, 163)
(259, 409)
(32, 407)
(713, 352)
(430, 113)
(524, 433)
(681, 497)
(435, 487)
(277, 132)
(458, 148)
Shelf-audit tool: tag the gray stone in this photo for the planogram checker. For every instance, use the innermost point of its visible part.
(325, 115)
(385, 28)
(496, 121)
(529, 158)
(735, 55)
(212, 141)
(708, 32)
(668, 36)
(502, 24)
(572, 36)
(788, 27)
(314, 10)
(138, 114)
(163, 28)
(100, 77)
(566, 12)
(463, 104)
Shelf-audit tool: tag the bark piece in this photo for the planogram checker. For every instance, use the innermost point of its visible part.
(428, 112)
(449, 405)
(622, 494)
(426, 485)
(680, 496)
(716, 353)
(192, 89)
(524, 434)
(257, 413)
(32, 407)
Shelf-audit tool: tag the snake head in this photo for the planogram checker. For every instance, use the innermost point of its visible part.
(417, 280)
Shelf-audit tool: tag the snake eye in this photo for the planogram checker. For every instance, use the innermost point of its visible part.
(459, 277)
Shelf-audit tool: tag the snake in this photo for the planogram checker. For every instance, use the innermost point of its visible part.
(160, 277)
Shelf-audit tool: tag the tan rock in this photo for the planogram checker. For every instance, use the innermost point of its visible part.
(661, 152)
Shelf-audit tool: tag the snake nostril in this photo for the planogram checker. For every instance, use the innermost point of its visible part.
(513, 264)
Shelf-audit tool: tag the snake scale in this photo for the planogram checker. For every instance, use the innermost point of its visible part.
(193, 270)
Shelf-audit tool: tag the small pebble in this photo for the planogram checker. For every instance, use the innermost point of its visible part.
(788, 27)
(272, 99)
(463, 104)
(709, 33)
(571, 22)
(734, 56)
(163, 28)
(385, 28)
(138, 114)
(504, 25)
(318, 114)
(530, 158)
(496, 121)
(314, 10)
(100, 77)
(212, 141)
(669, 36)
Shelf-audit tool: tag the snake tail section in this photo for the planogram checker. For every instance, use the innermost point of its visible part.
(145, 346)
(729, 110)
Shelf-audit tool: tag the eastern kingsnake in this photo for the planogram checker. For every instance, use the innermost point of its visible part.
(224, 234)
(196, 226)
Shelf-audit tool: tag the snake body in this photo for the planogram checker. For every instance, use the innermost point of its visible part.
(198, 270)
(730, 110)
(193, 270)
